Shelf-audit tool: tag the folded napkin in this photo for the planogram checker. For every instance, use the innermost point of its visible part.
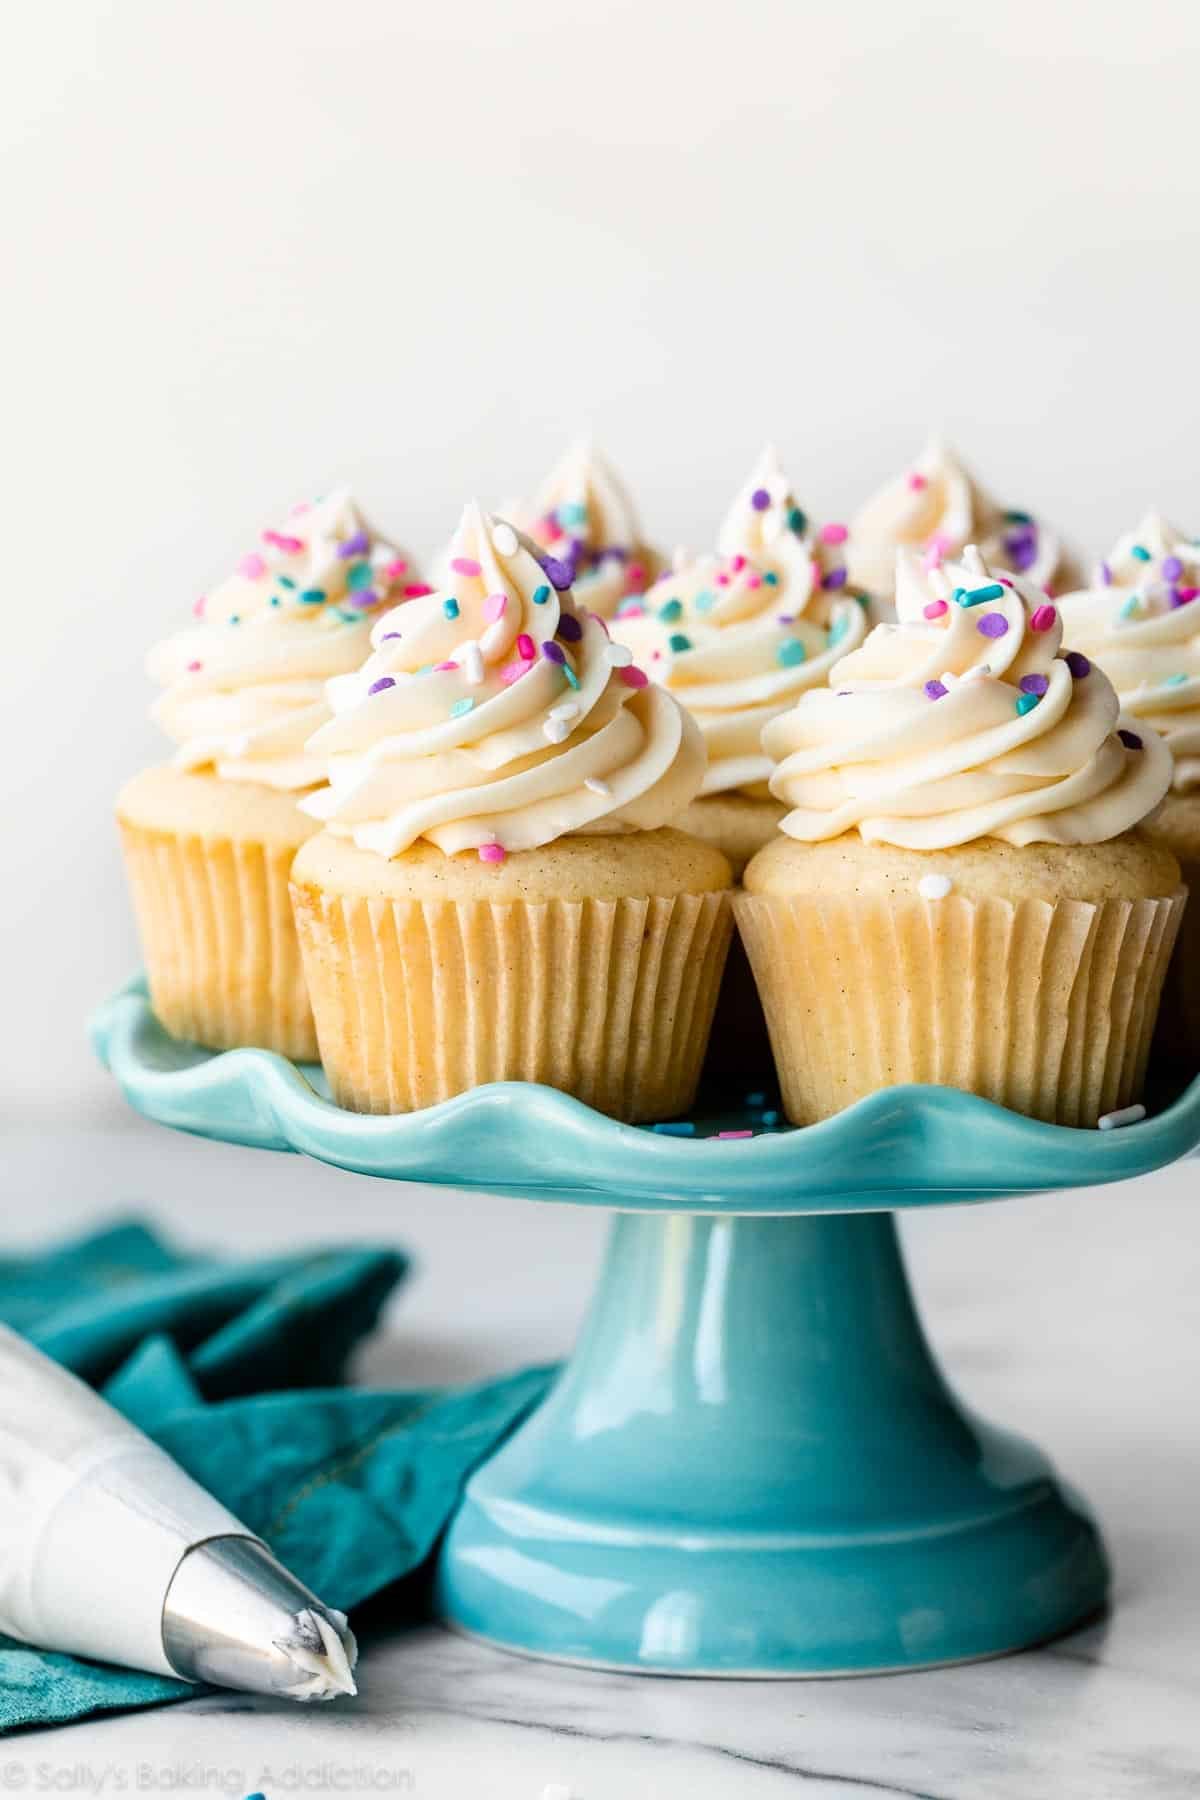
(231, 1368)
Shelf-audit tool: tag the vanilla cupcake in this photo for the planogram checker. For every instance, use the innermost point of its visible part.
(737, 637)
(959, 894)
(936, 507)
(209, 839)
(1141, 621)
(495, 896)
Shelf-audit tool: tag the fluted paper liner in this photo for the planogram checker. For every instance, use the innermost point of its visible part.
(1179, 1026)
(222, 957)
(609, 1000)
(1046, 1007)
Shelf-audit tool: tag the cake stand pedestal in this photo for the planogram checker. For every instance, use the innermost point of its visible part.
(751, 1465)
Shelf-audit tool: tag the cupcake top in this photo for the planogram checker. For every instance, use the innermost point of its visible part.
(496, 715)
(1141, 620)
(965, 720)
(937, 507)
(738, 636)
(584, 515)
(244, 687)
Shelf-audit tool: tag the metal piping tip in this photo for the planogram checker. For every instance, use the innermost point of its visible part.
(233, 1615)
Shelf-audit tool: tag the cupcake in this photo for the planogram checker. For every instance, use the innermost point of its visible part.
(737, 637)
(1141, 620)
(584, 516)
(959, 894)
(936, 507)
(209, 838)
(495, 895)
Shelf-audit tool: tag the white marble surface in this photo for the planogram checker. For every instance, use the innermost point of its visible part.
(1073, 1317)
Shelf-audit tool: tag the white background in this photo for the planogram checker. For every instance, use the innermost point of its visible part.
(249, 248)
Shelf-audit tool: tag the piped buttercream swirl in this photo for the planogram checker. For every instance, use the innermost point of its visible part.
(244, 686)
(497, 716)
(965, 720)
(584, 514)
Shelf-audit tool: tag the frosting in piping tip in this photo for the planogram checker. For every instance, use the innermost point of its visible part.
(965, 720)
(1141, 620)
(937, 507)
(496, 716)
(244, 687)
(737, 637)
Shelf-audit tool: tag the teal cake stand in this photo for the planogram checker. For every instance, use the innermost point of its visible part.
(751, 1465)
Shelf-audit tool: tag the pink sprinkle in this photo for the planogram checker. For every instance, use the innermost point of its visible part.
(754, 581)
(291, 546)
(917, 482)
(438, 668)
(199, 605)
(494, 606)
(942, 542)
(634, 677)
(513, 672)
(193, 666)
(494, 853)
(393, 570)
(936, 608)
(834, 534)
(1042, 618)
(735, 1134)
(252, 566)
(465, 565)
(526, 647)
(301, 506)
(633, 612)
(416, 589)
(722, 581)
(738, 564)
(635, 579)
(551, 529)
(1186, 594)
(932, 559)
(1004, 581)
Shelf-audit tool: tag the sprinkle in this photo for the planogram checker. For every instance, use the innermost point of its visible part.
(450, 607)
(670, 610)
(312, 596)
(553, 652)
(993, 625)
(760, 499)
(836, 578)
(285, 581)
(443, 667)
(1078, 664)
(393, 570)
(633, 676)
(234, 619)
(252, 566)
(679, 642)
(1125, 1115)
(416, 590)
(1174, 680)
(358, 545)
(756, 1099)
(556, 731)
(572, 512)
(1105, 574)
(1042, 618)
(771, 1117)
(620, 656)
(934, 887)
(771, 578)
(785, 618)
(940, 543)
(594, 785)
(790, 654)
(1139, 553)
(936, 690)
(541, 595)
(291, 546)
(472, 661)
(566, 709)
(494, 606)
(1034, 684)
(526, 647)
(572, 677)
(513, 672)
(1026, 703)
(388, 635)
(635, 578)
(738, 564)
(977, 596)
(704, 601)
(504, 539)
(465, 565)
(834, 534)
(837, 631)
(492, 853)
(936, 608)
(559, 573)
(195, 667)
(461, 706)
(377, 687)
(684, 1128)
(797, 521)
(735, 1134)
(917, 481)
(570, 628)
(1172, 569)
(198, 606)
(1130, 739)
(1181, 596)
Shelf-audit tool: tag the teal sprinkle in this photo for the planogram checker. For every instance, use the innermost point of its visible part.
(1026, 703)
(1175, 680)
(864, 600)
(1129, 607)
(678, 642)
(977, 596)
(358, 575)
(770, 1118)
(572, 512)
(572, 677)
(797, 521)
(235, 618)
(275, 600)
(790, 653)
(837, 631)
(684, 1128)
(450, 608)
(541, 595)
(348, 618)
(704, 601)
(1018, 518)
(285, 581)
(670, 610)
(771, 578)
(425, 669)
(461, 706)
(756, 1099)
(1140, 553)
(312, 596)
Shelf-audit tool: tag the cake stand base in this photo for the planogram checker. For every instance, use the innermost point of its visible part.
(752, 1465)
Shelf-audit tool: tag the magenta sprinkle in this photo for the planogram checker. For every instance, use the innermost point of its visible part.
(416, 590)
(377, 687)
(570, 628)
(554, 653)
(634, 677)
(1042, 618)
(992, 625)
(936, 608)
(735, 1134)
(291, 546)
(760, 499)
(394, 570)
(936, 690)
(465, 565)
(834, 534)
(493, 853)
(1130, 739)
(916, 482)
(1182, 595)
(194, 666)
(1033, 684)
(358, 545)
(442, 667)
(526, 647)
(1078, 664)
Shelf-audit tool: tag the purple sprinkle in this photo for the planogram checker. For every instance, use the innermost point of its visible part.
(570, 628)
(993, 625)
(388, 635)
(1022, 553)
(358, 545)
(1172, 569)
(1033, 684)
(1105, 574)
(785, 618)
(935, 690)
(559, 574)
(1078, 664)
(377, 687)
(1130, 739)
(760, 499)
(836, 578)
(365, 597)
(551, 651)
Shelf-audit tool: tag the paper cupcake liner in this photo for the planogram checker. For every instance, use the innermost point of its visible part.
(609, 1000)
(222, 956)
(1179, 1022)
(1046, 1007)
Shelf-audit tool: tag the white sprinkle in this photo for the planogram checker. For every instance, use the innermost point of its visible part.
(973, 561)
(566, 709)
(594, 785)
(471, 658)
(978, 672)
(619, 656)
(1126, 1115)
(557, 731)
(949, 678)
(934, 887)
(504, 539)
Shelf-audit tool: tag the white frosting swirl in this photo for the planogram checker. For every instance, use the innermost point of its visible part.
(583, 514)
(495, 716)
(245, 686)
(1141, 621)
(937, 507)
(739, 636)
(964, 721)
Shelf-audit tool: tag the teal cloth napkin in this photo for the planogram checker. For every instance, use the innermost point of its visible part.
(232, 1367)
